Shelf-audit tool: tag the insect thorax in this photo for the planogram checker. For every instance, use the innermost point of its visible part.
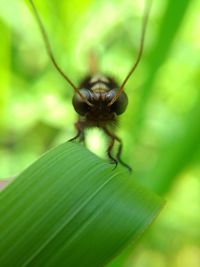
(98, 83)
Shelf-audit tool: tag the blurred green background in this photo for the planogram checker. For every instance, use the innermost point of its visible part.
(161, 127)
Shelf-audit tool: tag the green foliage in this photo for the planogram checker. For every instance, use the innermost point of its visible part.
(71, 209)
(161, 126)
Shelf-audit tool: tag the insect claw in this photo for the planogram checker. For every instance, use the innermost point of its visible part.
(114, 162)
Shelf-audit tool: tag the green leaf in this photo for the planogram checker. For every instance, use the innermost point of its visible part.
(177, 153)
(71, 208)
(5, 77)
(170, 24)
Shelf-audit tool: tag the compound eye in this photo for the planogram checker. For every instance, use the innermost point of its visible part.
(119, 106)
(79, 105)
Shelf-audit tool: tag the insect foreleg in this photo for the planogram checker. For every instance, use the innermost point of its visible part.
(109, 152)
(119, 151)
(80, 132)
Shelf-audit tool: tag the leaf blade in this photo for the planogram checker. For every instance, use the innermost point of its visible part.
(68, 216)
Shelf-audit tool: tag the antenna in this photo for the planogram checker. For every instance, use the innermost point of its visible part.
(144, 26)
(50, 53)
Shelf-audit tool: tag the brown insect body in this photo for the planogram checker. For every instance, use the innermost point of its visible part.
(98, 100)
(99, 90)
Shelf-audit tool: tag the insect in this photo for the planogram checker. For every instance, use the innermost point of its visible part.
(98, 100)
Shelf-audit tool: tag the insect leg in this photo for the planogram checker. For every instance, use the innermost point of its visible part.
(80, 132)
(109, 152)
(119, 151)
